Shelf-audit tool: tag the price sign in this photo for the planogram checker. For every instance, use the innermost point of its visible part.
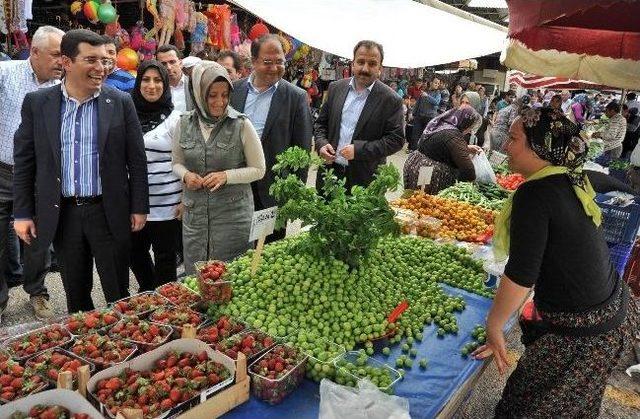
(263, 223)
(424, 176)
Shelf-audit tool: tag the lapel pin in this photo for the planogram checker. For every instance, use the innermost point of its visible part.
(108, 100)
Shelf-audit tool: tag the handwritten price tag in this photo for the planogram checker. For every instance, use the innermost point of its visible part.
(263, 223)
(424, 175)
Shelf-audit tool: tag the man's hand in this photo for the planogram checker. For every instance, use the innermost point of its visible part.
(328, 153)
(138, 221)
(179, 211)
(214, 180)
(349, 152)
(193, 181)
(25, 229)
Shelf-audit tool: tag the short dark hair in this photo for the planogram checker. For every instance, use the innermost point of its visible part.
(631, 96)
(510, 93)
(557, 96)
(73, 38)
(235, 57)
(367, 44)
(259, 42)
(613, 106)
(168, 48)
(109, 40)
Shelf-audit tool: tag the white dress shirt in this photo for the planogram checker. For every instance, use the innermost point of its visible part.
(179, 94)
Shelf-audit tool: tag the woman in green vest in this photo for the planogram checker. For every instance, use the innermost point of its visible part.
(217, 154)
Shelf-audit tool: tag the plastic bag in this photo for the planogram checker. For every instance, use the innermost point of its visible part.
(484, 172)
(635, 156)
(364, 402)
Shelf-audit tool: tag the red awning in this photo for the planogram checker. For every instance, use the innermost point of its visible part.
(531, 81)
(595, 40)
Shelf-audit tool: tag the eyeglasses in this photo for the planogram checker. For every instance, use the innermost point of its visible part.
(105, 62)
(278, 62)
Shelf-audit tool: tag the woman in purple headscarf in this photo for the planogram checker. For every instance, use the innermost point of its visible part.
(443, 147)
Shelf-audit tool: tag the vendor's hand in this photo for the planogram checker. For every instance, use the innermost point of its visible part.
(495, 346)
(193, 181)
(179, 211)
(214, 180)
(349, 152)
(328, 153)
(25, 229)
(474, 149)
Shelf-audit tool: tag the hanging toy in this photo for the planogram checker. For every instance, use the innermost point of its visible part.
(234, 31)
(258, 30)
(148, 48)
(127, 59)
(168, 14)
(198, 29)
(181, 21)
(137, 36)
(75, 7)
(152, 8)
(122, 38)
(90, 10)
(107, 13)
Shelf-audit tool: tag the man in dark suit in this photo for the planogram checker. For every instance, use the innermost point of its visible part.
(278, 110)
(360, 124)
(80, 174)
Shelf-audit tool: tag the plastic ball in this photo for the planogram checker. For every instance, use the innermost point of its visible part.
(258, 30)
(127, 59)
(90, 10)
(75, 7)
(107, 13)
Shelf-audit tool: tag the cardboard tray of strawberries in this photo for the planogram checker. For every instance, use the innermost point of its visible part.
(149, 372)
(26, 345)
(78, 406)
(51, 362)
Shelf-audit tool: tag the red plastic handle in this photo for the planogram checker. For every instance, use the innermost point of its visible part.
(398, 311)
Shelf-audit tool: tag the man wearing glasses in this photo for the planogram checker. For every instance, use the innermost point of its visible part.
(278, 110)
(79, 150)
(17, 78)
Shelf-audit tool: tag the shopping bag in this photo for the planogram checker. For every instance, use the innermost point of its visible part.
(364, 402)
(484, 172)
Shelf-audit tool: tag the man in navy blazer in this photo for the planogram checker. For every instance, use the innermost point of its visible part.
(278, 110)
(80, 173)
(361, 123)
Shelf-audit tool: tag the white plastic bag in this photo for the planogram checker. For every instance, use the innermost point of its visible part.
(364, 402)
(484, 171)
(635, 156)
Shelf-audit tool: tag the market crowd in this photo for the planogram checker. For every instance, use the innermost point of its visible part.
(110, 168)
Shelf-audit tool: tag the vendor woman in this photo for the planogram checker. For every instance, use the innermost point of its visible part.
(217, 154)
(444, 147)
(580, 325)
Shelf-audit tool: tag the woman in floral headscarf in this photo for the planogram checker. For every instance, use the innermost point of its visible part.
(443, 147)
(577, 327)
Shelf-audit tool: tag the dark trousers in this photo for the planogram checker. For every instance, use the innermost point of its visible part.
(277, 234)
(161, 236)
(36, 260)
(419, 124)
(82, 237)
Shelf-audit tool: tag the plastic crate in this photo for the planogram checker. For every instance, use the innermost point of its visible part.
(620, 253)
(619, 223)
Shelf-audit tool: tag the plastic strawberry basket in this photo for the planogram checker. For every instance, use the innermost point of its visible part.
(346, 377)
(322, 354)
(218, 292)
(223, 345)
(166, 333)
(197, 299)
(237, 326)
(274, 391)
(619, 223)
(34, 365)
(65, 340)
(100, 330)
(160, 301)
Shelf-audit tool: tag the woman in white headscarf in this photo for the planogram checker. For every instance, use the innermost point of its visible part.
(217, 154)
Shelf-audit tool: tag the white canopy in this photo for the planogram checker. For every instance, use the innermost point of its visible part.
(412, 34)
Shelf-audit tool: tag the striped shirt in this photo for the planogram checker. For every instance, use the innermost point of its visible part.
(165, 188)
(80, 161)
(17, 78)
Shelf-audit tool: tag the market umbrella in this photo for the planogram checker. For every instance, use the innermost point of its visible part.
(594, 40)
(532, 81)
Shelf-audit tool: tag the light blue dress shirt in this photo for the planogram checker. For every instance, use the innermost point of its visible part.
(257, 105)
(353, 105)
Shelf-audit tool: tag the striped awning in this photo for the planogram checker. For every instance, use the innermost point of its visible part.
(531, 81)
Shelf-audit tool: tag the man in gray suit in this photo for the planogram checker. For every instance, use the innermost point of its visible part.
(361, 123)
(278, 110)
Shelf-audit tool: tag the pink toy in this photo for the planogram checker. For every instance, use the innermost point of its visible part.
(137, 35)
(234, 31)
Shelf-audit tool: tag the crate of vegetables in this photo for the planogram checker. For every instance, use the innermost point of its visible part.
(95, 321)
(103, 351)
(277, 373)
(140, 304)
(17, 381)
(167, 380)
(32, 343)
(252, 343)
(353, 366)
(211, 281)
(146, 335)
(179, 295)
(177, 317)
(222, 328)
(57, 404)
(54, 361)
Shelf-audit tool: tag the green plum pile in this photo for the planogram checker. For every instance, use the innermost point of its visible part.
(292, 291)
